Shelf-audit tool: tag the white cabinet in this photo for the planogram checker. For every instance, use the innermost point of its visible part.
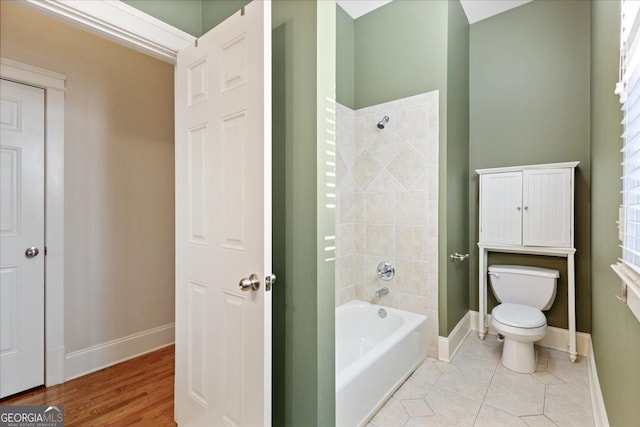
(528, 210)
(501, 208)
(547, 212)
(528, 206)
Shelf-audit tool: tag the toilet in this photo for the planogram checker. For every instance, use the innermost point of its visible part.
(524, 292)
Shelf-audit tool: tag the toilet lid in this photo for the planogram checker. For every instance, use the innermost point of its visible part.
(521, 316)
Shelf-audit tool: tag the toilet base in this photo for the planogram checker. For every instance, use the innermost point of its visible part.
(519, 356)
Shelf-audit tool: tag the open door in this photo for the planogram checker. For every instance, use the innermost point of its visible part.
(223, 224)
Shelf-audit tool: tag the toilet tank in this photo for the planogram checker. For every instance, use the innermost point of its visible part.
(518, 284)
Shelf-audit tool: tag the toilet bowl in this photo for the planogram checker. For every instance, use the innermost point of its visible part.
(523, 292)
(521, 326)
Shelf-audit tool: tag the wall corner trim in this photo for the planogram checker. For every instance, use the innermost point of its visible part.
(54, 366)
(121, 23)
(448, 346)
(94, 358)
(600, 418)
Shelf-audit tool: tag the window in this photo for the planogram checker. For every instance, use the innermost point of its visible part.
(629, 90)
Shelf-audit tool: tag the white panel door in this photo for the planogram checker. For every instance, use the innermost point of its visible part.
(547, 195)
(21, 227)
(223, 224)
(501, 208)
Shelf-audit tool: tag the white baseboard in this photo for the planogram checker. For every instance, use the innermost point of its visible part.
(558, 338)
(555, 338)
(448, 346)
(85, 361)
(600, 418)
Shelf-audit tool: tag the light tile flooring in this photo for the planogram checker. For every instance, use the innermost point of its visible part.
(476, 390)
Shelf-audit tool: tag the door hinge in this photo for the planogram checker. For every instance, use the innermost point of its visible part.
(45, 251)
(269, 281)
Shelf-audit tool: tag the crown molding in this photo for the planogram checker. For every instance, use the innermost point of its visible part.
(120, 23)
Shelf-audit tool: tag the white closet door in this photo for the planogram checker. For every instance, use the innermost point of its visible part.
(547, 195)
(21, 237)
(501, 208)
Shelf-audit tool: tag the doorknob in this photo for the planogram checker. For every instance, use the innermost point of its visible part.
(31, 252)
(252, 283)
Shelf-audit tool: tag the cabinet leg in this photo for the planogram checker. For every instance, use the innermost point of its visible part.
(572, 307)
(482, 294)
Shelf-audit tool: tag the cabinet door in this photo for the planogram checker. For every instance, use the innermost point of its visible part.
(501, 208)
(547, 200)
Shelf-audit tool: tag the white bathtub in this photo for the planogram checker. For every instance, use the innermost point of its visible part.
(374, 356)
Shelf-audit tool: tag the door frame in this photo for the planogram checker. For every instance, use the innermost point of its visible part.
(54, 86)
(121, 23)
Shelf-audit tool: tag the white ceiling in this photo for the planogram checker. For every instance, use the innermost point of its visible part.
(476, 10)
(357, 8)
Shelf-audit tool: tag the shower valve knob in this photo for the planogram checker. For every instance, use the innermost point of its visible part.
(386, 271)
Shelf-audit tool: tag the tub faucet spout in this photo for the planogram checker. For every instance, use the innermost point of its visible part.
(382, 292)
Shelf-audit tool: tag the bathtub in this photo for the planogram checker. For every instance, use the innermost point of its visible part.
(374, 356)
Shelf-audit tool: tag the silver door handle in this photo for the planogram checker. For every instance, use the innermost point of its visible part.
(252, 283)
(31, 252)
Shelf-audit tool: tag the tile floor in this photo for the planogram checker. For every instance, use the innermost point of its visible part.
(476, 390)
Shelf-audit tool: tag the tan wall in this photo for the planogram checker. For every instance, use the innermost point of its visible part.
(119, 176)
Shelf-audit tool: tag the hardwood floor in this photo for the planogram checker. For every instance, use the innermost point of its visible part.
(138, 392)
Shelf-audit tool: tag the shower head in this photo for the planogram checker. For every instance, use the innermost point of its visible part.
(383, 122)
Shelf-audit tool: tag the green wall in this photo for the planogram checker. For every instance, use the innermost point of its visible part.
(195, 17)
(615, 331)
(303, 301)
(279, 200)
(345, 62)
(182, 14)
(455, 218)
(529, 103)
(325, 213)
(400, 51)
(216, 11)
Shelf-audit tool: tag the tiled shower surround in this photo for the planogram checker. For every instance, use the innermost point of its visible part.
(387, 205)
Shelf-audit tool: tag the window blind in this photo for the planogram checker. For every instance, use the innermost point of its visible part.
(629, 91)
(628, 269)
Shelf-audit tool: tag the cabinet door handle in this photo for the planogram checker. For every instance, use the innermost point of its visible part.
(518, 208)
(526, 208)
